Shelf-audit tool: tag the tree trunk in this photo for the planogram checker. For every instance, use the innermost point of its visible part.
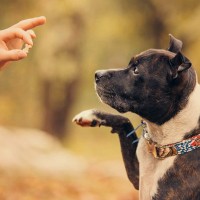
(58, 95)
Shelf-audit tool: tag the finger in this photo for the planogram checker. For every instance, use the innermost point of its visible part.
(13, 33)
(30, 23)
(31, 33)
(12, 55)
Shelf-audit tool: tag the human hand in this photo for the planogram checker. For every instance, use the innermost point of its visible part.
(13, 38)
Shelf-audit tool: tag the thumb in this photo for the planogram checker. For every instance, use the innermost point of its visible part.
(12, 55)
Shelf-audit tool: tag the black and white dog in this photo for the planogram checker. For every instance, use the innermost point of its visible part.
(161, 87)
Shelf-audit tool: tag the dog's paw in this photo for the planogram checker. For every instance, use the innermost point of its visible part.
(87, 118)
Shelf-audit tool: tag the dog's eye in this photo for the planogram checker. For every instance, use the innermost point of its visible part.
(135, 70)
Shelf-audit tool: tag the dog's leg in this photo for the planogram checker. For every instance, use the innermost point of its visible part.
(122, 126)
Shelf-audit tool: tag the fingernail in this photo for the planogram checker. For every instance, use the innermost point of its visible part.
(44, 18)
(31, 42)
(33, 33)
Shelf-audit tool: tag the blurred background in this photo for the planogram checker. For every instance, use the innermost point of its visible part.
(43, 155)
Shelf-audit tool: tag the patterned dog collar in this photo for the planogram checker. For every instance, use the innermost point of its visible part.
(179, 148)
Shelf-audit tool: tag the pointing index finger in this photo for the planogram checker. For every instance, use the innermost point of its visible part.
(30, 23)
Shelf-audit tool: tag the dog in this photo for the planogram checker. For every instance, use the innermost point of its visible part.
(161, 87)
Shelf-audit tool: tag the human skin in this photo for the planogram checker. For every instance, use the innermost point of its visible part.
(13, 38)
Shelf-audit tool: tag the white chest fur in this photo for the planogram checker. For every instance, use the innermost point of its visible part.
(151, 170)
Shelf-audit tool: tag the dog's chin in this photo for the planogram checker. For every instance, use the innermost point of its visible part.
(112, 103)
(112, 100)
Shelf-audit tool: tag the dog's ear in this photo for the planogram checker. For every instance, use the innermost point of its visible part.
(175, 45)
(178, 64)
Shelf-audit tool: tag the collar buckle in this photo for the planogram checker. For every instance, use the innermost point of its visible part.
(152, 146)
(160, 152)
(153, 149)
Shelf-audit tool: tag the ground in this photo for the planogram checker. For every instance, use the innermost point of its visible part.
(35, 166)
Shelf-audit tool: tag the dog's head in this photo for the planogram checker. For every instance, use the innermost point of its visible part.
(155, 84)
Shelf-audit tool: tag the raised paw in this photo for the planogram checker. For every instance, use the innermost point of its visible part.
(87, 118)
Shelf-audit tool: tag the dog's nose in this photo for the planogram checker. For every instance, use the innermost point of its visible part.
(99, 74)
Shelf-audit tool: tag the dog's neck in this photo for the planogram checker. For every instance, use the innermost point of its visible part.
(176, 129)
